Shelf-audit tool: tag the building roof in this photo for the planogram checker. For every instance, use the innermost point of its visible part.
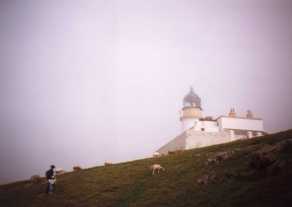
(192, 99)
(178, 143)
(237, 117)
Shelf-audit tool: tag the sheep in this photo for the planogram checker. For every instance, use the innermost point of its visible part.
(36, 179)
(108, 163)
(171, 152)
(60, 171)
(77, 168)
(203, 180)
(156, 154)
(156, 167)
(175, 152)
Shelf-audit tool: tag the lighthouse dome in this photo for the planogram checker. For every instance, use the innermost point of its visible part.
(192, 99)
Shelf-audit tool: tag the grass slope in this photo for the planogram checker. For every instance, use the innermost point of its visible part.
(131, 183)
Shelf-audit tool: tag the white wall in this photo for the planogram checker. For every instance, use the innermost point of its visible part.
(209, 126)
(202, 139)
(188, 123)
(240, 123)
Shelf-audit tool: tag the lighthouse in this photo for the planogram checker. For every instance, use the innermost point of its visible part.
(199, 131)
(191, 111)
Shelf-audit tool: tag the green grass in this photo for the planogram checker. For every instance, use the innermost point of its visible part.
(132, 184)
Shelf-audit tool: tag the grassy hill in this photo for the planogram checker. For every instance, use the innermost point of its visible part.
(239, 180)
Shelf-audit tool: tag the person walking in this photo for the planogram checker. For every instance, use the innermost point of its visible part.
(51, 178)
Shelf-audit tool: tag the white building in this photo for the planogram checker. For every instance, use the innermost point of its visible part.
(200, 131)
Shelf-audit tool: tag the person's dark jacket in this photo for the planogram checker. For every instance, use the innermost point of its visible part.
(50, 174)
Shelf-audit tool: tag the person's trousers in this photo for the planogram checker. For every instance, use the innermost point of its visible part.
(50, 188)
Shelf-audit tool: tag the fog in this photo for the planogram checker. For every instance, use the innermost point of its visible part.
(84, 82)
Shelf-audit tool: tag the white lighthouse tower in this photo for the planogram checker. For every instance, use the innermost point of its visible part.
(191, 111)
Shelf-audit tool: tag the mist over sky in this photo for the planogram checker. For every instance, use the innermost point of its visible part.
(84, 82)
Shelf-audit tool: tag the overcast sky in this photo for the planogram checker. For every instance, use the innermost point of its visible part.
(83, 82)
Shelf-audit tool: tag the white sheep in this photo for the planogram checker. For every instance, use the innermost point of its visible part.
(60, 171)
(156, 167)
(156, 154)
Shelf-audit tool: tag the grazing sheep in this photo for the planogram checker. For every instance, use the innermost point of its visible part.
(206, 179)
(171, 152)
(108, 163)
(156, 167)
(219, 157)
(156, 154)
(36, 179)
(175, 152)
(77, 168)
(60, 171)
(203, 180)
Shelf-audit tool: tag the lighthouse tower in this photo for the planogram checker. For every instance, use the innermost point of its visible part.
(191, 111)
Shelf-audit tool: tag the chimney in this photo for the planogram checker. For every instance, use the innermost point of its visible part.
(249, 114)
(232, 113)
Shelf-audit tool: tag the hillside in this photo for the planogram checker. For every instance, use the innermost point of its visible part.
(256, 172)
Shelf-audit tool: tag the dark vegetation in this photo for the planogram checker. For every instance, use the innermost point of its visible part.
(256, 172)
